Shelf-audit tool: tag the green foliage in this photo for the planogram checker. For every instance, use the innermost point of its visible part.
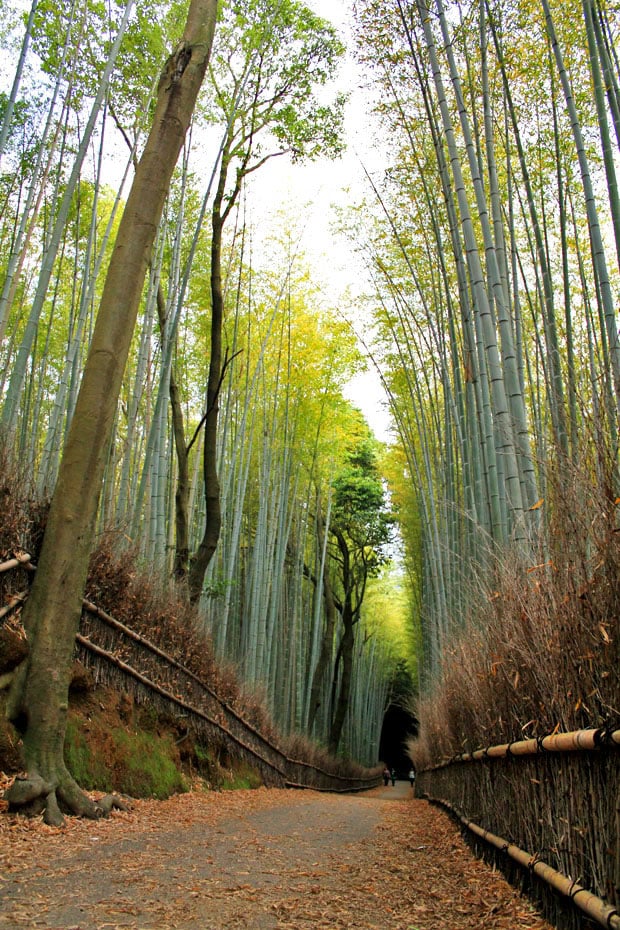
(154, 28)
(386, 616)
(216, 588)
(268, 63)
(357, 496)
(360, 507)
(203, 756)
(76, 40)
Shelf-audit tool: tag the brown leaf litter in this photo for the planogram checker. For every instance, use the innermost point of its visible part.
(261, 860)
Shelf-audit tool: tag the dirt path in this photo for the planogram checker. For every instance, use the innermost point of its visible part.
(258, 860)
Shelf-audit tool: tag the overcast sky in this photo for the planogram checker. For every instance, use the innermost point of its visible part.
(311, 193)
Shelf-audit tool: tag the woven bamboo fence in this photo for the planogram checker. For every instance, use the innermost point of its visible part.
(548, 812)
(122, 658)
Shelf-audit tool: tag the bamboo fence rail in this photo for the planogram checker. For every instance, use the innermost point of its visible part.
(22, 559)
(578, 740)
(16, 601)
(120, 656)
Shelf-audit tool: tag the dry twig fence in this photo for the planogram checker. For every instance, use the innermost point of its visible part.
(121, 657)
(556, 802)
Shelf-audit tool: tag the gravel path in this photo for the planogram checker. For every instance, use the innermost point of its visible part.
(258, 860)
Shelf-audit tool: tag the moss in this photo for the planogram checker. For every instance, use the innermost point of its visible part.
(147, 765)
(113, 746)
(85, 761)
(139, 764)
(242, 776)
(204, 761)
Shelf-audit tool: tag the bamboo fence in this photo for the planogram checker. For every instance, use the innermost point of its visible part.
(121, 657)
(556, 796)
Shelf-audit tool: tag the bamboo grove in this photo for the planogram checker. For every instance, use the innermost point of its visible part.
(494, 258)
(491, 241)
(237, 468)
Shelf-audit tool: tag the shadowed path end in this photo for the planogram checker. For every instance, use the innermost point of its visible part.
(258, 860)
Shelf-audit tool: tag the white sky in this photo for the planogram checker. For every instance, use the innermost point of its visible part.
(312, 192)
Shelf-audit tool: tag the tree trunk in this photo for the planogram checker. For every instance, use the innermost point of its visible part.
(181, 495)
(39, 695)
(344, 692)
(345, 650)
(208, 544)
(325, 655)
(211, 535)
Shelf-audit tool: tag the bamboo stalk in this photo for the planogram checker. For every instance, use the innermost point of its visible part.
(19, 372)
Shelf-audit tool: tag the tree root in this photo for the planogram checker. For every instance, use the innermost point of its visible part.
(31, 796)
(112, 802)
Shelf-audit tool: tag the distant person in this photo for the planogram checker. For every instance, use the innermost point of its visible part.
(393, 777)
(386, 776)
(411, 776)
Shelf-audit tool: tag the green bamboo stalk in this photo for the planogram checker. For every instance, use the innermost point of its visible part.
(597, 246)
(12, 399)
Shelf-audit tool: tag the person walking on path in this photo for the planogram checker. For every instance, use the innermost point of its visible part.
(411, 776)
(393, 777)
(386, 776)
